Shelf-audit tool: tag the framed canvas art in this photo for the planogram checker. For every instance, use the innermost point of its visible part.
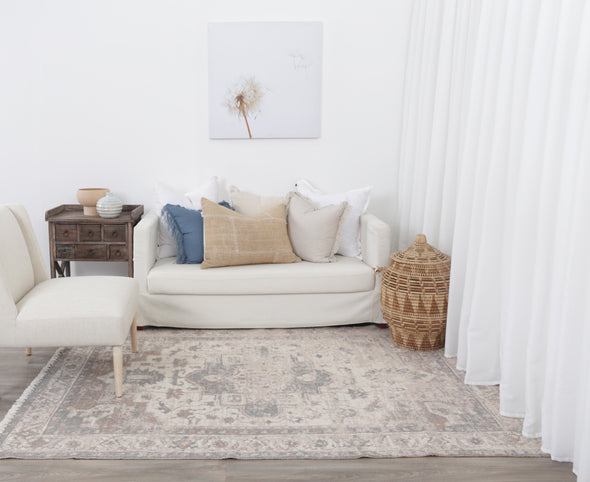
(265, 80)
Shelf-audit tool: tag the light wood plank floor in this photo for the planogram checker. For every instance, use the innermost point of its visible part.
(18, 370)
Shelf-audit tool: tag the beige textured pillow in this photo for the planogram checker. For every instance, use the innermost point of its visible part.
(250, 204)
(314, 231)
(233, 239)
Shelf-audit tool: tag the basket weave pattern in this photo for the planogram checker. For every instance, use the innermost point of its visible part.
(414, 296)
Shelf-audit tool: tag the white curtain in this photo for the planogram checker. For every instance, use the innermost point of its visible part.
(495, 170)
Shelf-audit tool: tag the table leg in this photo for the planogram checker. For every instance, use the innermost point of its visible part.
(62, 269)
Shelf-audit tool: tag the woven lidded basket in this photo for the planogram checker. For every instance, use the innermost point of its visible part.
(414, 296)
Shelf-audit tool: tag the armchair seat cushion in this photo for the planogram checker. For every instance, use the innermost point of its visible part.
(80, 311)
(344, 275)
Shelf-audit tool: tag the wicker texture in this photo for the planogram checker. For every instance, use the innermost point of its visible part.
(414, 296)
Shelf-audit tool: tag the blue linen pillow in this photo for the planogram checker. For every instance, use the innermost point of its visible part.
(186, 226)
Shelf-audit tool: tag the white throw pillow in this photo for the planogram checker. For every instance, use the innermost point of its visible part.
(191, 200)
(358, 201)
(250, 204)
(314, 231)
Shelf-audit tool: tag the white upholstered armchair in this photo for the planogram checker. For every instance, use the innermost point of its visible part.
(38, 311)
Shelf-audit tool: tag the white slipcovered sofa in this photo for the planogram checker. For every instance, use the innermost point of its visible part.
(303, 294)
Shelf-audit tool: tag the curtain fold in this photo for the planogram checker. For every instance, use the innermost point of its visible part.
(494, 169)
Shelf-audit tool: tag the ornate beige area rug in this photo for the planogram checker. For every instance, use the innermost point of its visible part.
(341, 392)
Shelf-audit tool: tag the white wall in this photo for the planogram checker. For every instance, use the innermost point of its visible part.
(113, 93)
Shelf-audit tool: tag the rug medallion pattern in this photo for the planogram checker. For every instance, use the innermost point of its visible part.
(342, 392)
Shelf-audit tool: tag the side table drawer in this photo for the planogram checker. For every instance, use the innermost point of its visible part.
(65, 232)
(64, 251)
(117, 252)
(89, 232)
(91, 252)
(115, 233)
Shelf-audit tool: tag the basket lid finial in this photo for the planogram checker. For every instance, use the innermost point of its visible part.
(420, 253)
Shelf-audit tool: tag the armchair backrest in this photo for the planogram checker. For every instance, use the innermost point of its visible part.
(21, 263)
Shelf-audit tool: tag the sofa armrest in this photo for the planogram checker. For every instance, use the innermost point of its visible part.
(375, 241)
(145, 248)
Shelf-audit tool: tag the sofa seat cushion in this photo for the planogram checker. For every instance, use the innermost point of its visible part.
(344, 275)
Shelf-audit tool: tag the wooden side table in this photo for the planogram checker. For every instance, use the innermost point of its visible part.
(76, 237)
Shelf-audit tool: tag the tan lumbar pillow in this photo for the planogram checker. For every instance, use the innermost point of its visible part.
(314, 232)
(234, 239)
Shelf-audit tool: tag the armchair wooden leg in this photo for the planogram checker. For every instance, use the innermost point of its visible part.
(118, 369)
(29, 351)
(134, 335)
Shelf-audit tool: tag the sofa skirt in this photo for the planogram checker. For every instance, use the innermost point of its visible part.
(260, 311)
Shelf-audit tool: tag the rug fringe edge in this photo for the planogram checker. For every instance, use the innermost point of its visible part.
(28, 391)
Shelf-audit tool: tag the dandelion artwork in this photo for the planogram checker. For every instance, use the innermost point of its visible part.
(264, 80)
(244, 99)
